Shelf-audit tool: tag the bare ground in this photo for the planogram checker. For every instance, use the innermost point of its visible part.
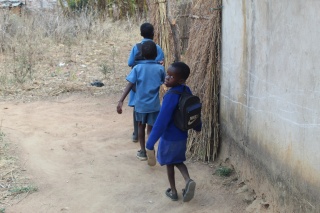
(77, 151)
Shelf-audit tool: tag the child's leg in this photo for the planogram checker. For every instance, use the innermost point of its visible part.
(189, 190)
(151, 120)
(141, 154)
(141, 133)
(135, 128)
(149, 128)
(170, 173)
(184, 171)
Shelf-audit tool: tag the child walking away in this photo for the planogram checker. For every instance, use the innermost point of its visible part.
(148, 76)
(135, 57)
(147, 32)
(173, 141)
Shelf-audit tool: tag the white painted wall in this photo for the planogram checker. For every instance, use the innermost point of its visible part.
(270, 86)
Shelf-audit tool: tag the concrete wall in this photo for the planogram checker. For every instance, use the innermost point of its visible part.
(270, 97)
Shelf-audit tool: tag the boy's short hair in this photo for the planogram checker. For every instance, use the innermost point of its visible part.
(149, 50)
(147, 30)
(182, 69)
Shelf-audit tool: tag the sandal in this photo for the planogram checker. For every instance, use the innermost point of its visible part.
(188, 192)
(173, 197)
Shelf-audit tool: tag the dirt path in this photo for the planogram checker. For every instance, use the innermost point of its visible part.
(78, 152)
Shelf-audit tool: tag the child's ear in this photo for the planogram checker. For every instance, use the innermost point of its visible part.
(182, 81)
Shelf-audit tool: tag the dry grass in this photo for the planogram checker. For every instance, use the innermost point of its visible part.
(46, 54)
(203, 57)
(14, 186)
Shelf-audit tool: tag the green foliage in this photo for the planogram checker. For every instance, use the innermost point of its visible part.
(23, 189)
(1, 136)
(23, 67)
(223, 171)
(105, 69)
(2, 210)
(77, 5)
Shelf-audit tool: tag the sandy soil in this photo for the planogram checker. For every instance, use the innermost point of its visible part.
(77, 151)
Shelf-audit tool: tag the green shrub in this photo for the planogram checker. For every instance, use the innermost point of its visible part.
(223, 171)
(77, 5)
(23, 189)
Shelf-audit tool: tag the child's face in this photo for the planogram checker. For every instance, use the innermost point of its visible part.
(172, 78)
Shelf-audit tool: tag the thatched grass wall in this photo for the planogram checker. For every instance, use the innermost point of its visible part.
(163, 34)
(194, 27)
(203, 57)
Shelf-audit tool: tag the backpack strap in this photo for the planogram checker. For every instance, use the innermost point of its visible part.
(139, 46)
(138, 55)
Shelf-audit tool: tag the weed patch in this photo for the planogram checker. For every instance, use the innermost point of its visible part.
(22, 189)
(223, 171)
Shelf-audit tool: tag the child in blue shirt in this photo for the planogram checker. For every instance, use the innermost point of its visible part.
(147, 32)
(173, 141)
(148, 76)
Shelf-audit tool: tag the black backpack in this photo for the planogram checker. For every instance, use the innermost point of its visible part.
(138, 56)
(188, 112)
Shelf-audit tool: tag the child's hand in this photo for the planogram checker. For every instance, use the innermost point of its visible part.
(119, 107)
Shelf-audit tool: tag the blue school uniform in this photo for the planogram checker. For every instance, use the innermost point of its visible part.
(131, 62)
(134, 51)
(148, 77)
(173, 141)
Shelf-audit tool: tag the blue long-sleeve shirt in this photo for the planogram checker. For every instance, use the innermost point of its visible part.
(164, 126)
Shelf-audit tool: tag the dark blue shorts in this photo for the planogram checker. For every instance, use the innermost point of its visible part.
(147, 118)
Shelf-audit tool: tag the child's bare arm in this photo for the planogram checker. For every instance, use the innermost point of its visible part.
(124, 95)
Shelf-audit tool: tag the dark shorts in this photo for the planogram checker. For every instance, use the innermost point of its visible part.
(147, 118)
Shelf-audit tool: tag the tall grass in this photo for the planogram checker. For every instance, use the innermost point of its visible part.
(43, 51)
(116, 9)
